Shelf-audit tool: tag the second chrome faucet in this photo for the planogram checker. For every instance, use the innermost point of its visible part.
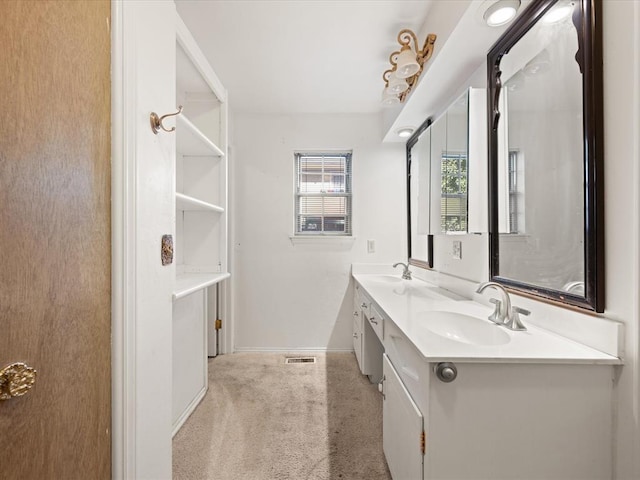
(406, 273)
(504, 313)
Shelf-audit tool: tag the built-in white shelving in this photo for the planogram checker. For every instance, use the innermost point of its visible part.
(187, 203)
(191, 140)
(201, 224)
(187, 283)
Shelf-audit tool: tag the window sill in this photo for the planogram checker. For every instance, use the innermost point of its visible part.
(321, 240)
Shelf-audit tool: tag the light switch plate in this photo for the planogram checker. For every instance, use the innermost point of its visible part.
(371, 246)
(457, 250)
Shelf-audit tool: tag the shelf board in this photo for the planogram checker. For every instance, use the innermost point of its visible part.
(191, 141)
(185, 202)
(188, 283)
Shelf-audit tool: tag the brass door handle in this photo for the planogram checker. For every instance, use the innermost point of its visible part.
(16, 380)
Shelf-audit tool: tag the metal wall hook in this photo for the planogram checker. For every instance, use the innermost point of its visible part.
(156, 121)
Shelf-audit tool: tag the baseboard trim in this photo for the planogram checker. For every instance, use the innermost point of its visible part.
(189, 410)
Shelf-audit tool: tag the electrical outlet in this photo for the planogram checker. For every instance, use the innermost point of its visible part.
(457, 250)
(371, 246)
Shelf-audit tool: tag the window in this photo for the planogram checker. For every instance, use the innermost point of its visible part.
(453, 216)
(323, 194)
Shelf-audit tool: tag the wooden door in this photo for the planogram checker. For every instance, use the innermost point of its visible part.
(55, 261)
(402, 427)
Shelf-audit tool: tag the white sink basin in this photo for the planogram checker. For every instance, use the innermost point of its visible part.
(386, 278)
(419, 290)
(464, 328)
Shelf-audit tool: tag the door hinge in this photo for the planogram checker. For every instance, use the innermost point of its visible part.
(423, 442)
(218, 324)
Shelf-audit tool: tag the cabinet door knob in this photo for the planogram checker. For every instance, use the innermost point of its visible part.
(373, 320)
(355, 335)
(364, 305)
(446, 372)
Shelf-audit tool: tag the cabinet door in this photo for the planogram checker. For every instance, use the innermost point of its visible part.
(189, 356)
(402, 427)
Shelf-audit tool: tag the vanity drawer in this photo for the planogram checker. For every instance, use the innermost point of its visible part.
(362, 301)
(377, 321)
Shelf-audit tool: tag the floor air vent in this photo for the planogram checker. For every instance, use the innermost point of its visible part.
(300, 360)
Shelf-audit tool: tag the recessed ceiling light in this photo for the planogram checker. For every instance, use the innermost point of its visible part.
(405, 132)
(501, 12)
(558, 13)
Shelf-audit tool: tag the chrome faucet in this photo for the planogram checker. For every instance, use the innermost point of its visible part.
(504, 313)
(406, 274)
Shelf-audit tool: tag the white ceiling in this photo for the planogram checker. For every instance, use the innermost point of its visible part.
(302, 56)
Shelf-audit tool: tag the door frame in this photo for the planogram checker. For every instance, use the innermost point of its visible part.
(141, 355)
(123, 191)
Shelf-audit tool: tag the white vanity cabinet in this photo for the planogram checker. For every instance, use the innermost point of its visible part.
(532, 406)
(495, 420)
(200, 243)
(368, 328)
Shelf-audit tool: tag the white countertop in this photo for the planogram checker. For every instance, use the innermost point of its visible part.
(405, 301)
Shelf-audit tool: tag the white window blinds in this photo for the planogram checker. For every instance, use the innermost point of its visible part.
(323, 194)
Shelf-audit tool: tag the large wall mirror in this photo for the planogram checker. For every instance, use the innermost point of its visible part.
(446, 175)
(420, 238)
(545, 154)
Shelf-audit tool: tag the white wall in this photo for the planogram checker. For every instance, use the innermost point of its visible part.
(296, 297)
(622, 212)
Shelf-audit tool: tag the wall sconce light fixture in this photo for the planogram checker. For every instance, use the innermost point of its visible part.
(406, 66)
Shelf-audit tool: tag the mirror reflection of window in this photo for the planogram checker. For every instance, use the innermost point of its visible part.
(515, 171)
(453, 216)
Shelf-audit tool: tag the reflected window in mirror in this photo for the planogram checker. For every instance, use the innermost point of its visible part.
(515, 204)
(453, 217)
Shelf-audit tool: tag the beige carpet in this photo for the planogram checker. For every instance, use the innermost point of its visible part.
(264, 420)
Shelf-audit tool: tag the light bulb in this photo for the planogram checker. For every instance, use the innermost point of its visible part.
(396, 85)
(407, 65)
(389, 99)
